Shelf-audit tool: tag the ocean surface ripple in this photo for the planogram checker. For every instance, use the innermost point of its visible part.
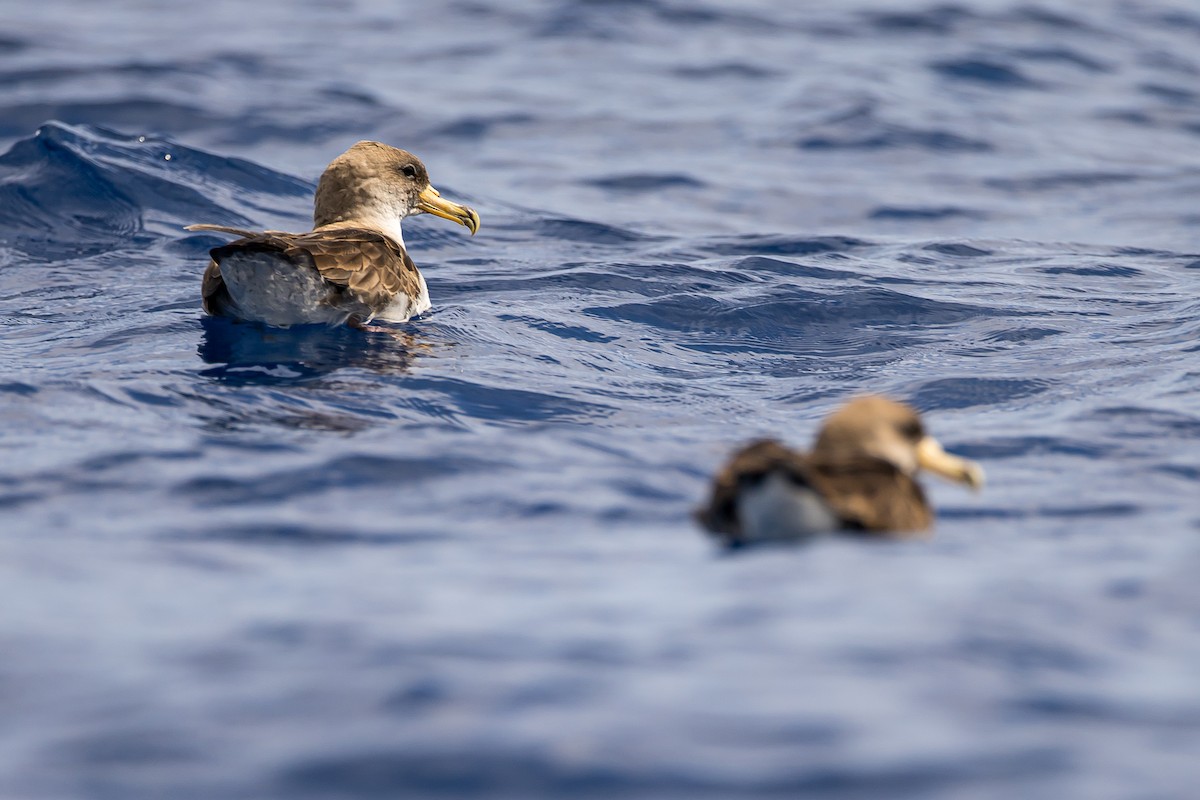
(454, 558)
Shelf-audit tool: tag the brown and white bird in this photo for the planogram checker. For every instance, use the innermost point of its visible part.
(859, 476)
(352, 266)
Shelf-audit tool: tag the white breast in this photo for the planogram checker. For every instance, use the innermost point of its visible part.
(776, 508)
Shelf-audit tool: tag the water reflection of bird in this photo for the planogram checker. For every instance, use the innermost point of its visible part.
(859, 476)
(254, 354)
(352, 267)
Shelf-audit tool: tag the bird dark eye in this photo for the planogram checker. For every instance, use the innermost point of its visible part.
(409, 170)
(912, 430)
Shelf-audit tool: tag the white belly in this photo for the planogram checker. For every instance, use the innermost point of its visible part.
(778, 509)
(403, 307)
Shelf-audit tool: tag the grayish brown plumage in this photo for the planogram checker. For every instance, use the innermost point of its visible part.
(352, 267)
(859, 476)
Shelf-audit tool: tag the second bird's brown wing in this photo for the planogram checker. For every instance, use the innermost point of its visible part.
(370, 267)
(871, 495)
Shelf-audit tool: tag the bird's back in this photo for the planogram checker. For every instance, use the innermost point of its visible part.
(267, 284)
(323, 277)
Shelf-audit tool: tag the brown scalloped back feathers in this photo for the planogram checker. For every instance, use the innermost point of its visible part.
(364, 269)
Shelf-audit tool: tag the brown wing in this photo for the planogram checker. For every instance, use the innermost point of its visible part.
(372, 267)
(242, 232)
(747, 466)
(872, 495)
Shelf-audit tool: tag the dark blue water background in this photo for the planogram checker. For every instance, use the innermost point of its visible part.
(456, 560)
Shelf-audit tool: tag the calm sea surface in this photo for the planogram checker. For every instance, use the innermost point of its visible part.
(455, 560)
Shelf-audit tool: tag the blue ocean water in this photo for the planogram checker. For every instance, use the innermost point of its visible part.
(455, 559)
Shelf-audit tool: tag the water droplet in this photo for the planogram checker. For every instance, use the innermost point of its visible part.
(167, 157)
(141, 138)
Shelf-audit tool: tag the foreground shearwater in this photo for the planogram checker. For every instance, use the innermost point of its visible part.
(860, 476)
(352, 266)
